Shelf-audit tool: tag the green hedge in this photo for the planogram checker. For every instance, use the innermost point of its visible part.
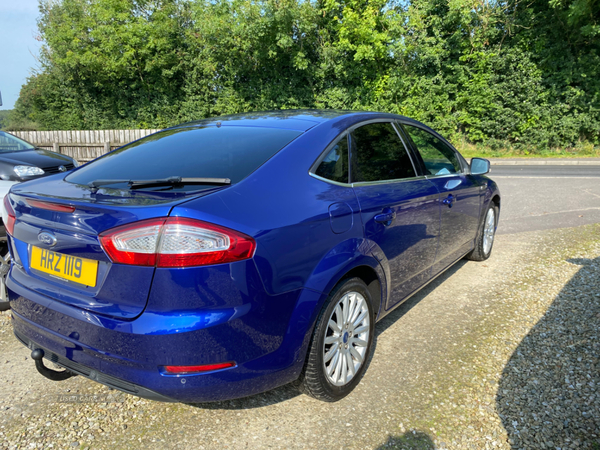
(518, 75)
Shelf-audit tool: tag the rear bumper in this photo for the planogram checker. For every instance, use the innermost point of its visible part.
(127, 355)
(80, 369)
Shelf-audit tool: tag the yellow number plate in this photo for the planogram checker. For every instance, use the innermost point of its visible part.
(79, 270)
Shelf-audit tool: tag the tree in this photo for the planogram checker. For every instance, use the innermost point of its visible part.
(506, 72)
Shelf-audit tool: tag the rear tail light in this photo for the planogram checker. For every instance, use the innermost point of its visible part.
(134, 243)
(175, 242)
(8, 216)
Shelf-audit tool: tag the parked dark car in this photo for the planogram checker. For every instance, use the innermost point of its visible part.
(226, 257)
(22, 161)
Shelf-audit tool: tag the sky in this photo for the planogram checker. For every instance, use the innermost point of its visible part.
(18, 47)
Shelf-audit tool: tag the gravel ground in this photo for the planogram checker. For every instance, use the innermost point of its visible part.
(501, 354)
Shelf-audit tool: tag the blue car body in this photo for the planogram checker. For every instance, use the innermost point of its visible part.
(310, 233)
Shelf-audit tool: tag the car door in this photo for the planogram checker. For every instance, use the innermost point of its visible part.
(460, 194)
(399, 208)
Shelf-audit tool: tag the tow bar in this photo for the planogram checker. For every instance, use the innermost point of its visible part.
(37, 355)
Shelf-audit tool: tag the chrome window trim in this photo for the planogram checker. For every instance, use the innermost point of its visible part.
(446, 175)
(397, 180)
(368, 183)
(327, 180)
(368, 122)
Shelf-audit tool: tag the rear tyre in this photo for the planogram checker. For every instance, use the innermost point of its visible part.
(4, 268)
(341, 343)
(485, 237)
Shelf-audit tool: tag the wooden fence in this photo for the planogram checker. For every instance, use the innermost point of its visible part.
(83, 145)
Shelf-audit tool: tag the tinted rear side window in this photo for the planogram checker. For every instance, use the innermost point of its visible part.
(378, 154)
(223, 152)
(335, 165)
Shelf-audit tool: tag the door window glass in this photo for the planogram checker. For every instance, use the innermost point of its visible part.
(379, 154)
(335, 165)
(439, 159)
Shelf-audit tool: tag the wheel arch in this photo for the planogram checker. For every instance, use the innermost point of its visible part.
(352, 258)
(496, 200)
(370, 277)
(492, 196)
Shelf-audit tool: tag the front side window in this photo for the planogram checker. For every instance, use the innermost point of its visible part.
(335, 165)
(378, 154)
(438, 157)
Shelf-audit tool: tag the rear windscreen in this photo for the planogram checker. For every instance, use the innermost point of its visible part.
(212, 152)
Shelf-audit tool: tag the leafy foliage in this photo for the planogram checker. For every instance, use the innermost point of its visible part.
(4, 117)
(497, 73)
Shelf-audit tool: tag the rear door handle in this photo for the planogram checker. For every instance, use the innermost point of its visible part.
(449, 200)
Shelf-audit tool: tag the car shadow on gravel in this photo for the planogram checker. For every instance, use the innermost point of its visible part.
(549, 391)
(289, 391)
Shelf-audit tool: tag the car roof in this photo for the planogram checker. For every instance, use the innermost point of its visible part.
(292, 119)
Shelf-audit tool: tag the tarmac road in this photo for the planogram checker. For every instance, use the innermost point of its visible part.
(546, 171)
(546, 197)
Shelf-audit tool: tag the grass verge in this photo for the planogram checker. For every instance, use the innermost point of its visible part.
(581, 150)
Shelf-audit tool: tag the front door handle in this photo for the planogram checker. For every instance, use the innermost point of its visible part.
(449, 200)
(386, 217)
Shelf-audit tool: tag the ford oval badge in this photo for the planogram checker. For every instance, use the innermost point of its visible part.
(47, 238)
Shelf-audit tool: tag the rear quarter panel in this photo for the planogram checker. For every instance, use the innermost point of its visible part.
(288, 212)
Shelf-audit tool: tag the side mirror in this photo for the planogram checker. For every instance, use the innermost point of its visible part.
(479, 166)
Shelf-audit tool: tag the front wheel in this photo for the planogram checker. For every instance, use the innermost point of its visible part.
(341, 343)
(485, 237)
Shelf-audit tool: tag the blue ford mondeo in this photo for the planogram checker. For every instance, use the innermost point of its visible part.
(225, 257)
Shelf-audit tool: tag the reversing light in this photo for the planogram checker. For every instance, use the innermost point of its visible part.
(8, 216)
(175, 242)
(184, 370)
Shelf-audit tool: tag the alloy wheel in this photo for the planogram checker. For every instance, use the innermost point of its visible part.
(347, 339)
(488, 231)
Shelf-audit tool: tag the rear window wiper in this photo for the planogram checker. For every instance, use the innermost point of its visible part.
(178, 180)
(137, 184)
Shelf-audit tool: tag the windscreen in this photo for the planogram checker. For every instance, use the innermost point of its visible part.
(197, 152)
(10, 143)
